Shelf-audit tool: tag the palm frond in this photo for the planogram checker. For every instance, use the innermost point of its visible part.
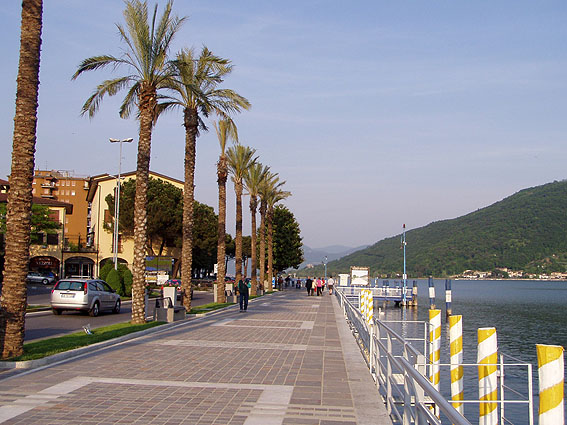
(108, 87)
(97, 62)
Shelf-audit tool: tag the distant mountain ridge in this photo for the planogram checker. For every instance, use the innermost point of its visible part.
(316, 256)
(526, 231)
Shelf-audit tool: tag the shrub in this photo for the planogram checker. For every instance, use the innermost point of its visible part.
(113, 279)
(127, 279)
(108, 266)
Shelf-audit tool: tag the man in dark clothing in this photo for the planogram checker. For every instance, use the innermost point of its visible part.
(243, 290)
(308, 284)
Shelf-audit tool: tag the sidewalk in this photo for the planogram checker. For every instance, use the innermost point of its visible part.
(290, 359)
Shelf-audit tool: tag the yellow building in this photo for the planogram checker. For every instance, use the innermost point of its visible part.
(100, 215)
(47, 252)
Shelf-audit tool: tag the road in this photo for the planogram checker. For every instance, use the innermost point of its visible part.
(45, 324)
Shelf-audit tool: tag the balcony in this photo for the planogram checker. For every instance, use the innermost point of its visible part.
(48, 185)
(78, 243)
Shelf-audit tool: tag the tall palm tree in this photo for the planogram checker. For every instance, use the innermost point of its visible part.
(276, 195)
(226, 130)
(240, 158)
(147, 44)
(268, 184)
(195, 90)
(252, 180)
(18, 217)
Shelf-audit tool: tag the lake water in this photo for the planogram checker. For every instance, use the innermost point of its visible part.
(524, 313)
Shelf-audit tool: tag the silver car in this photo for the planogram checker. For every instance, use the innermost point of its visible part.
(91, 295)
(37, 277)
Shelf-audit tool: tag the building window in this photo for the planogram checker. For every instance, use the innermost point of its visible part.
(73, 183)
(37, 238)
(73, 192)
(52, 239)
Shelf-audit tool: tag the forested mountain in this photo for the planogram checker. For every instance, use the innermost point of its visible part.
(526, 231)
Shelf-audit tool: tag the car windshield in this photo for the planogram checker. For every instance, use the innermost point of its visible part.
(69, 285)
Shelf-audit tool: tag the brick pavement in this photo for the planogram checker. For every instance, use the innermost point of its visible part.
(289, 360)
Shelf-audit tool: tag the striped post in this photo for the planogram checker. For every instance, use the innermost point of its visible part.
(435, 346)
(551, 371)
(448, 308)
(362, 302)
(369, 306)
(431, 294)
(456, 352)
(487, 360)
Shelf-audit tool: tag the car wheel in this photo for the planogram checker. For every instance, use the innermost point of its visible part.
(116, 309)
(56, 311)
(95, 310)
(45, 281)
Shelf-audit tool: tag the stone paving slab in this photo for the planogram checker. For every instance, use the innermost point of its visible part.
(291, 359)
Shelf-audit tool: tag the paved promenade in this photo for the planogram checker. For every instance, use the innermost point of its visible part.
(290, 359)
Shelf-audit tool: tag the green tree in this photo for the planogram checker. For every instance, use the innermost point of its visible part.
(103, 273)
(240, 158)
(287, 240)
(165, 206)
(205, 238)
(41, 221)
(147, 42)
(14, 296)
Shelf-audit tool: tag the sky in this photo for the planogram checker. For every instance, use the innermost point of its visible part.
(375, 113)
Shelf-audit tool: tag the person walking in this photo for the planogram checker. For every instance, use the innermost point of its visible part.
(319, 287)
(330, 284)
(243, 290)
(308, 285)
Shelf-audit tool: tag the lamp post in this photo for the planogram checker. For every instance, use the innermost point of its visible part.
(325, 263)
(117, 199)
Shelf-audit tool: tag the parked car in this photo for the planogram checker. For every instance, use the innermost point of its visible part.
(38, 277)
(177, 283)
(90, 295)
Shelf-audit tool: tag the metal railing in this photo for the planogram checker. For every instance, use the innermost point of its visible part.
(398, 363)
(399, 372)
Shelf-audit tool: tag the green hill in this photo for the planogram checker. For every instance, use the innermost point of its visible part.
(526, 231)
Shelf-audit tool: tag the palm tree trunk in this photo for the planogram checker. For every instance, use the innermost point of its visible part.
(147, 104)
(253, 206)
(190, 122)
(18, 220)
(238, 240)
(262, 237)
(269, 219)
(221, 244)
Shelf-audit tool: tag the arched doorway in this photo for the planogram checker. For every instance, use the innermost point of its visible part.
(79, 267)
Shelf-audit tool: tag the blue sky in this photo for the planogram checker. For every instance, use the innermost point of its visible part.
(376, 113)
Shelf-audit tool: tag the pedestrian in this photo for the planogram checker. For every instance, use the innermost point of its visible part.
(243, 290)
(298, 283)
(319, 287)
(287, 280)
(330, 284)
(280, 283)
(308, 285)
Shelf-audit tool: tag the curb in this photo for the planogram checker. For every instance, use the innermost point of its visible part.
(66, 355)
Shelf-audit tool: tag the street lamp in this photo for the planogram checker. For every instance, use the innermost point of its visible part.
(117, 199)
(325, 263)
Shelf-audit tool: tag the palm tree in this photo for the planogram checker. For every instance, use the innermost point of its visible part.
(18, 217)
(195, 90)
(269, 183)
(240, 158)
(252, 180)
(226, 130)
(274, 196)
(146, 57)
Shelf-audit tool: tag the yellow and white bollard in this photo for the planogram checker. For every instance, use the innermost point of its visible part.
(487, 360)
(551, 371)
(456, 352)
(369, 306)
(362, 302)
(435, 346)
